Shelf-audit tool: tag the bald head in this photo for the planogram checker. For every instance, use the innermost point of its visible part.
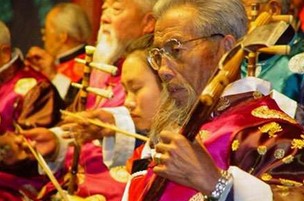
(5, 37)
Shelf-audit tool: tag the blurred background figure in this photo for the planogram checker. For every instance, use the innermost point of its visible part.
(25, 19)
(66, 32)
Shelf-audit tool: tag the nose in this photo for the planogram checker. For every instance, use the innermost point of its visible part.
(105, 17)
(165, 72)
(130, 103)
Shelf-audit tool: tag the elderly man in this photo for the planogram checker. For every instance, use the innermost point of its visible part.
(114, 36)
(121, 23)
(247, 148)
(66, 32)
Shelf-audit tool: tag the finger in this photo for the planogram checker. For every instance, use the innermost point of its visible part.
(162, 148)
(167, 136)
(69, 126)
(160, 170)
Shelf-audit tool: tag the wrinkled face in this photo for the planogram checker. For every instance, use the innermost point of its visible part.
(123, 17)
(142, 89)
(11, 150)
(51, 37)
(193, 62)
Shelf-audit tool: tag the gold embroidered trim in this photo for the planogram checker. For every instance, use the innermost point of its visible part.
(266, 113)
(266, 177)
(298, 143)
(235, 145)
(291, 183)
(271, 128)
(288, 159)
(262, 150)
(197, 197)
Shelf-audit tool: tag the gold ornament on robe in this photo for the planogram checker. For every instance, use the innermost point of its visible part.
(235, 145)
(298, 143)
(265, 113)
(23, 86)
(271, 128)
(262, 150)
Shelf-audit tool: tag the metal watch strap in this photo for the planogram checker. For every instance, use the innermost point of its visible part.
(224, 181)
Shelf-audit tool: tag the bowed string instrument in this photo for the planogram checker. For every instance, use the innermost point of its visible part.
(85, 89)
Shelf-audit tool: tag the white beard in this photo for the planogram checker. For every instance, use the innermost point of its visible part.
(108, 48)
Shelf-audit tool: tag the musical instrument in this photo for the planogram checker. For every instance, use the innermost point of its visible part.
(278, 24)
(43, 165)
(85, 89)
(99, 123)
(227, 72)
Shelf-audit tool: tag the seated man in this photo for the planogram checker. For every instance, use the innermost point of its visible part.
(67, 30)
(246, 148)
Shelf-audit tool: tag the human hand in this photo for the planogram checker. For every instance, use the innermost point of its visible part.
(42, 61)
(44, 140)
(185, 162)
(12, 149)
(82, 130)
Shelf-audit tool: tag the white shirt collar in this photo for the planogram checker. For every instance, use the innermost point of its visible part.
(248, 84)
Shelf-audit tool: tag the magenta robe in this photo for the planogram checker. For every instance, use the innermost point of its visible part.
(28, 98)
(93, 178)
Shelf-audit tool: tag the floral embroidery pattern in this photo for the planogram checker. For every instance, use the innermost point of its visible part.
(288, 159)
(204, 134)
(262, 150)
(279, 153)
(298, 143)
(266, 177)
(290, 183)
(197, 197)
(271, 128)
(235, 145)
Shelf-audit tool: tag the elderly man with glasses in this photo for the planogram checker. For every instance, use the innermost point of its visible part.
(243, 147)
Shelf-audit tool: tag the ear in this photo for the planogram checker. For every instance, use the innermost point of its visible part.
(228, 42)
(148, 23)
(275, 7)
(63, 37)
(5, 53)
